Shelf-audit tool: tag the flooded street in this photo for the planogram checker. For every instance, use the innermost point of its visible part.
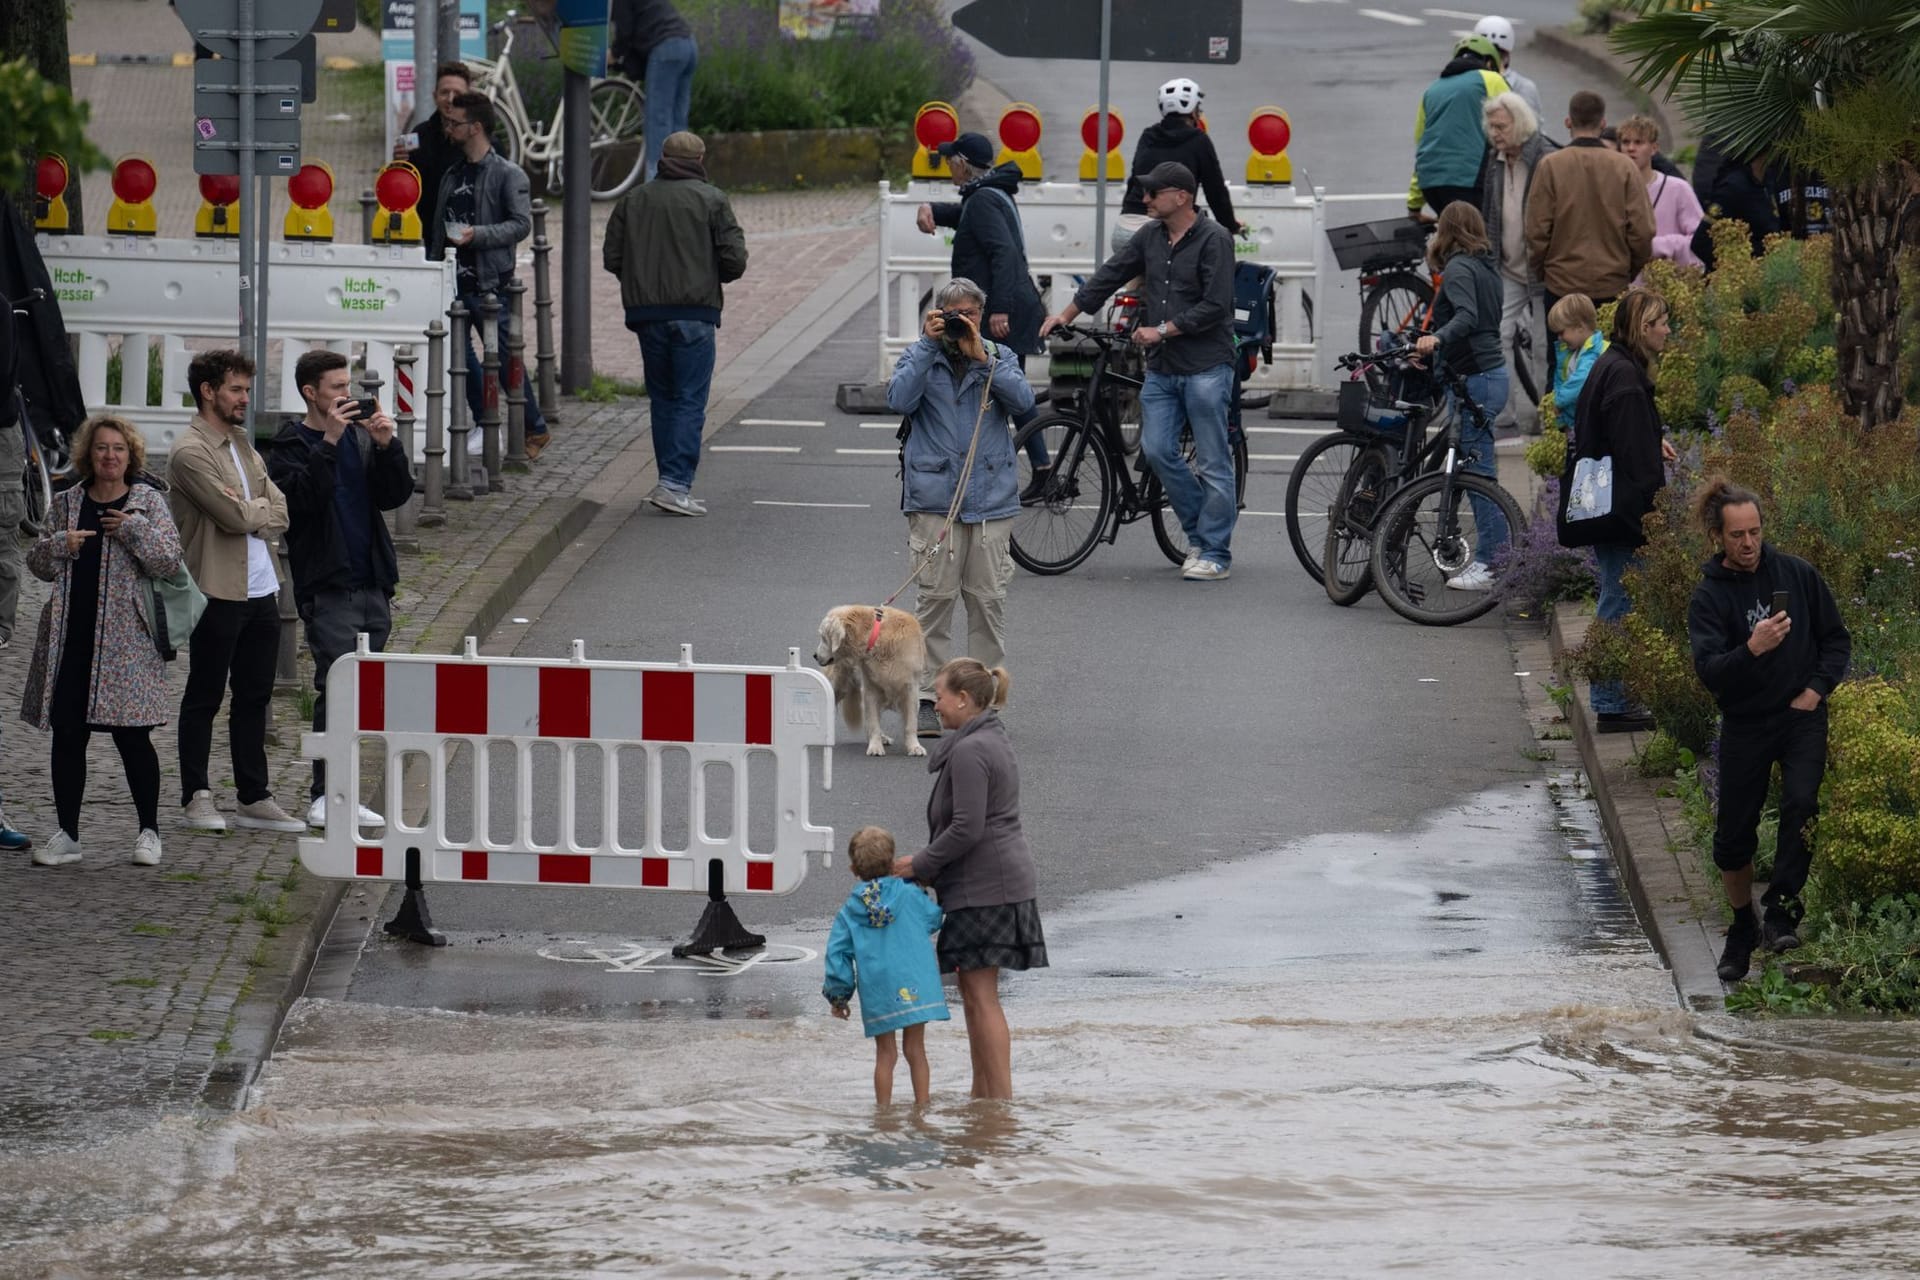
(1445, 1051)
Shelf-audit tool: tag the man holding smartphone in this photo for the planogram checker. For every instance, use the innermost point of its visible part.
(1769, 644)
(340, 467)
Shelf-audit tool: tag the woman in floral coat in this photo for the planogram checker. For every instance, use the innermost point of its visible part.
(95, 665)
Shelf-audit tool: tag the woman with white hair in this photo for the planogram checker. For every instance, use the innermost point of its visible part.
(1517, 147)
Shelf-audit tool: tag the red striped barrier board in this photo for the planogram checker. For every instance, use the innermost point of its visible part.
(584, 745)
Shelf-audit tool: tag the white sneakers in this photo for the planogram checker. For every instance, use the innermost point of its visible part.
(146, 850)
(202, 814)
(1204, 570)
(57, 852)
(1475, 577)
(265, 814)
(317, 815)
(675, 503)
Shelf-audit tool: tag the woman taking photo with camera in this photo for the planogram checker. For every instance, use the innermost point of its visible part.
(95, 664)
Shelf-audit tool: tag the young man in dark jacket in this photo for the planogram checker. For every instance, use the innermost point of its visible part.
(339, 473)
(674, 242)
(1768, 642)
(435, 152)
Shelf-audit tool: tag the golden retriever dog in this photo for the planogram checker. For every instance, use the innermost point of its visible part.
(874, 658)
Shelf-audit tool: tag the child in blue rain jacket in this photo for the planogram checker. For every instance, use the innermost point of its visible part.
(882, 945)
(1576, 323)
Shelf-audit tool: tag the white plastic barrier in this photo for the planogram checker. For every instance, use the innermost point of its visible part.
(673, 738)
(1058, 221)
(356, 299)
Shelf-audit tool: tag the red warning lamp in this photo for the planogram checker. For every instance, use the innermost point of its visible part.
(309, 190)
(134, 182)
(50, 177)
(1019, 136)
(398, 191)
(933, 124)
(218, 218)
(1268, 133)
(1090, 138)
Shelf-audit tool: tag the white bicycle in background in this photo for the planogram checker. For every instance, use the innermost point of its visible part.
(616, 106)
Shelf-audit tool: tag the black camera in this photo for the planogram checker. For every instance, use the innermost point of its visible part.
(958, 326)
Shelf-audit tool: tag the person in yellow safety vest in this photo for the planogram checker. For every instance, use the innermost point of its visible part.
(1449, 142)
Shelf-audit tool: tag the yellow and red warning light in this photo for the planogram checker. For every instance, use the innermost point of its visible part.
(1268, 133)
(50, 179)
(1090, 139)
(398, 191)
(1020, 139)
(308, 191)
(134, 182)
(219, 216)
(933, 124)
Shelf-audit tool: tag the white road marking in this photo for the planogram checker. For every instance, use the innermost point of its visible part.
(780, 422)
(1273, 457)
(846, 506)
(1461, 15)
(1402, 19)
(879, 426)
(753, 448)
(882, 452)
(1290, 431)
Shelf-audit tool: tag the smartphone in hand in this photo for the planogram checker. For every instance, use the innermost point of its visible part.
(1779, 602)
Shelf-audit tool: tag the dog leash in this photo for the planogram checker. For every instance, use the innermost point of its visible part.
(953, 512)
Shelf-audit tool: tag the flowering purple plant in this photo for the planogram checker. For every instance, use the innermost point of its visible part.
(1533, 570)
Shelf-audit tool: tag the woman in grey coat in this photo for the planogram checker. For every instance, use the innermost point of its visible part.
(978, 862)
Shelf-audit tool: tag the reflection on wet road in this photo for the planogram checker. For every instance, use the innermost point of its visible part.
(1448, 1051)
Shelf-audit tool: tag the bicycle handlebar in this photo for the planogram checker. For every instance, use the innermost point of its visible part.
(1098, 335)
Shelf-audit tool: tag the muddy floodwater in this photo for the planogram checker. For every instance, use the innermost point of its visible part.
(1440, 1052)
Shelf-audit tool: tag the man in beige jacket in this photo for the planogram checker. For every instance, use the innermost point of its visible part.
(226, 509)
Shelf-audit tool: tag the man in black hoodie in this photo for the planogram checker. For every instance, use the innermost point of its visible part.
(1178, 138)
(1769, 645)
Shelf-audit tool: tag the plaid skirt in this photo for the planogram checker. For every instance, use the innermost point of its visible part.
(1001, 937)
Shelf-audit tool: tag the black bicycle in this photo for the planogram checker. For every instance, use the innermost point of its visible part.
(45, 457)
(1090, 492)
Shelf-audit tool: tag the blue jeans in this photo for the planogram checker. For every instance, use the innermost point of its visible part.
(1489, 391)
(670, 67)
(476, 374)
(678, 358)
(1612, 559)
(1202, 495)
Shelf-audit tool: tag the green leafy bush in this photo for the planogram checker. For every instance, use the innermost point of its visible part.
(1868, 957)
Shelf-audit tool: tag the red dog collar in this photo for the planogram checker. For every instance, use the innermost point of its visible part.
(873, 636)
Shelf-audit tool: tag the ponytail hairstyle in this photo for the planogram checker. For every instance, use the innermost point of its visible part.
(1636, 310)
(983, 688)
(1711, 503)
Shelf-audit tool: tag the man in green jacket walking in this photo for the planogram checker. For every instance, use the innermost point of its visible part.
(674, 242)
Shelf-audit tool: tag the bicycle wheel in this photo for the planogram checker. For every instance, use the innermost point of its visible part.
(1312, 489)
(1350, 524)
(1425, 535)
(1059, 527)
(1166, 526)
(1397, 303)
(38, 485)
(617, 112)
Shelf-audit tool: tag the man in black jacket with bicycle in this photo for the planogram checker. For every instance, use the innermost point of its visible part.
(1186, 328)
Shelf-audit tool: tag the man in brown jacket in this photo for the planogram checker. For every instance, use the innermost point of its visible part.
(226, 509)
(1589, 225)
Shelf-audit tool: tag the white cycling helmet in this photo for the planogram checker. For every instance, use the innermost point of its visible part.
(1182, 96)
(1498, 30)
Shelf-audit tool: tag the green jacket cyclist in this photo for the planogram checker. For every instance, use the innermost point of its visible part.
(1450, 143)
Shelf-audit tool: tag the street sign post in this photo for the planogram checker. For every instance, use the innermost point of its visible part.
(276, 116)
(1206, 31)
(248, 33)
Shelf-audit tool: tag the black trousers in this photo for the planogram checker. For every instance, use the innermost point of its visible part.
(1438, 198)
(71, 733)
(237, 644)
(1749, 748)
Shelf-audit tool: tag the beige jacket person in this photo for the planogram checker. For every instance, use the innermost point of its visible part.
(1589, 223)
(213, 519)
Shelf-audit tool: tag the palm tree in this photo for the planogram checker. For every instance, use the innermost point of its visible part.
(1830, 84)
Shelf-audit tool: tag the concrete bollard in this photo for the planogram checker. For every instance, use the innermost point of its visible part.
(459, 488)
(543, 314)
(517, 389)
(369, 210)
(406, 535)
(487, 480)
(433, 511)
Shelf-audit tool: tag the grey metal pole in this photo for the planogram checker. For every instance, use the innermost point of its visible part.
(433, 504)
(516, 379)
(1100, 178)
(447, 30)
(369, 210)
(576, 241)
(543, 311)
(488, 479)
(250, 210)
(406, 535)
(460, 422)
(426, 55)
(262, 252)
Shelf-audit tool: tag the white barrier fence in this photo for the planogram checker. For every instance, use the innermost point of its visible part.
(1288, 235)
(359, 300)
(623, 775)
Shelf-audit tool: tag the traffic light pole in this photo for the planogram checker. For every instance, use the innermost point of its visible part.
(1100, 182)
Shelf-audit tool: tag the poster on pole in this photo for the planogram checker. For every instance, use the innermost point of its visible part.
(583, 36)
(396, 50)
(820, 19)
